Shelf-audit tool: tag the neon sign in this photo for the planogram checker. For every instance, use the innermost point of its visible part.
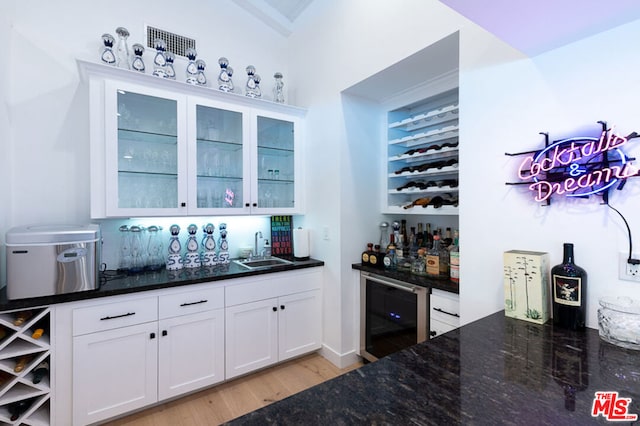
(578, 166)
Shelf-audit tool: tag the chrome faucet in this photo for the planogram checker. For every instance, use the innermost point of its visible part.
(255, 247)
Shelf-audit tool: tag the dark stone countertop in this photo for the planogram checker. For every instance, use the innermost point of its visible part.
(422, 280)
(112, 283)
(494, 371)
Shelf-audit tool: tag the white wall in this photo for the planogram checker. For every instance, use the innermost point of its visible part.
(563, 92)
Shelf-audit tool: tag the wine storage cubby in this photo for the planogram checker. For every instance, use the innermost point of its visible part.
(24, 367)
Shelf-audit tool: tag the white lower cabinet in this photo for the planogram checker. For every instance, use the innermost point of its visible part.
(114, 371)
(272, 320)
(191, 354)
(122, 353)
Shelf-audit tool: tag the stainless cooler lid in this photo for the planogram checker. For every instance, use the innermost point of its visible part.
(52, 234)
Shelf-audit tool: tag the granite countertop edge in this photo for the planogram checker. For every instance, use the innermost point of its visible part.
(444, 283)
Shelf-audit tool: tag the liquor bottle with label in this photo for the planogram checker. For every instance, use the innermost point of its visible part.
(419, 236)
(390, 260)
(375, 260)
(366, 254)
(447, 237)
(433, 258)
(443, 253)
(569, 292)
(454, 259)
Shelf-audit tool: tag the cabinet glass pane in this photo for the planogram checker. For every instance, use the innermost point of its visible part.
(275, 163)
(147, 151)
(220, 158)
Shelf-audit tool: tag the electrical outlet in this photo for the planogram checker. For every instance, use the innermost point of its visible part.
(627, 271)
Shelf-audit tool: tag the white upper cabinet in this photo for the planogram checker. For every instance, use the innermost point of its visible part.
(166, 148)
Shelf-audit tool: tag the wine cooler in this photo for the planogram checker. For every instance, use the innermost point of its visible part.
(393, 315)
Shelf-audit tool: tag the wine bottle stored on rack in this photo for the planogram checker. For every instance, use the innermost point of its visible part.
(569, 292)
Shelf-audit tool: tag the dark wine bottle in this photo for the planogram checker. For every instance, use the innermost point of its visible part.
(40, 372)
(16, 409)
(569, 292)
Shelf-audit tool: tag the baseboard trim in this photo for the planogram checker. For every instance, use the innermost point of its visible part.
(337, 359)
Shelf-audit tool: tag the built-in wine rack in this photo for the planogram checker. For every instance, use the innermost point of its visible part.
(25, 347)
(423, 143)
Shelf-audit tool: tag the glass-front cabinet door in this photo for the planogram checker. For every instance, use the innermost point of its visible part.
(145, 151)
(219, 155)
(275, 166)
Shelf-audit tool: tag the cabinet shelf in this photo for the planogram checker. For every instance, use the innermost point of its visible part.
(436, 190)
(434, 135)
(142, 136)
(444, 171)
(422, 156)
(226, 145)
(431, 118)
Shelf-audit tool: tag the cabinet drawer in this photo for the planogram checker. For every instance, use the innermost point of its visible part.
(273, 285)
(445, 307)
(190, 302)
(114, 315)
(437, 328)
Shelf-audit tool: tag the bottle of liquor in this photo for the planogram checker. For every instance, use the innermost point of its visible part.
(374, 257)
(390, 259)
(413, 246)
(447, 237)
(433, 258)
(405, 237)
(569, 292)
(454, 259)
(419, 236)
(443, 253)
(428, 238)
(366, 254)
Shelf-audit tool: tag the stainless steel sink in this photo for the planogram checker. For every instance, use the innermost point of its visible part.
(262, 263)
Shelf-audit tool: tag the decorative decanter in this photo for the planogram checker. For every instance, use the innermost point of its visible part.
(201, 79)
(154, 249)
(137, 63)
(159, 61)
(192, 257)
(224, 78)
(209, 257)
(250, 87)
(174, 260)
(124, 262)
(223, 256)
(137, 255)
(192, 68)
(257, 92)
(107, 56)
(123, 57)
(170, 72)
(278, 89)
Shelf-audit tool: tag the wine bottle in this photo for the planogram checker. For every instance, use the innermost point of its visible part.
(569, 292)
(16, 409)
(21, 317)
(40, 371)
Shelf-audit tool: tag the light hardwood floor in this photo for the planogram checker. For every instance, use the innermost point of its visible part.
(238, 397)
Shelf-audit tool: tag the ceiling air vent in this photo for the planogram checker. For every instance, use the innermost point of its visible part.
(175, 43)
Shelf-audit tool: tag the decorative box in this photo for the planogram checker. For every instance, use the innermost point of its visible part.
(526, 285)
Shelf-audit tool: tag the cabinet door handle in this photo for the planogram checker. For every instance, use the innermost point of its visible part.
(247, 204)
(275, 309)
(194, 303)
(255, 204)
(445, 312)
(164, 332)
(183, 204)
(282, 307)
(117, 316)
(432, 333)
(152, 336)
